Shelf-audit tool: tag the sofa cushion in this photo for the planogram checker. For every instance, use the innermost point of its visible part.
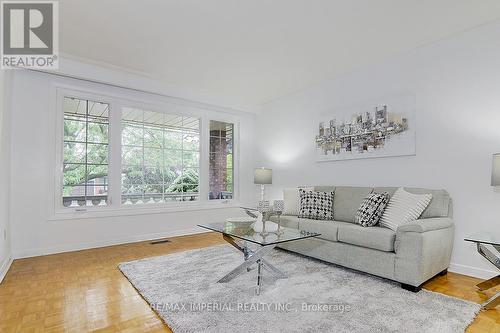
(404, 207)
(390, 190)
(347, 201)
(324, 188)
(316, 205)
(376, 238)
(371, 209)
(327, 229)
(438, 207)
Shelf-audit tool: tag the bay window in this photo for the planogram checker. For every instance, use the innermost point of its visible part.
(117, 155)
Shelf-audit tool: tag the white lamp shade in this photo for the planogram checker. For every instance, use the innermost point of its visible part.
(263, 176)
(495, 170)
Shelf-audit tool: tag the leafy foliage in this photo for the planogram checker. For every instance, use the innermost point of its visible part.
(153, 157)
(84, 143)
(155, 160)
(187, 182)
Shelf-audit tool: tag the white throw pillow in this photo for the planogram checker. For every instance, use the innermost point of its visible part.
(292, 200)
(404, 207)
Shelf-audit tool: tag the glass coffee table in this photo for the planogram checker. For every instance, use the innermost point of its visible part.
(242, 235)
(488, 245)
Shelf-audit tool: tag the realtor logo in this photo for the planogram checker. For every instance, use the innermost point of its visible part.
(29, 34)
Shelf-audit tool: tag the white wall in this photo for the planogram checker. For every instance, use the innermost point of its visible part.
(457, 87)
(34, 230)
(5, 248)
(106, 73)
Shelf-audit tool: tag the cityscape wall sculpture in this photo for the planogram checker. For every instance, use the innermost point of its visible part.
(386, 130)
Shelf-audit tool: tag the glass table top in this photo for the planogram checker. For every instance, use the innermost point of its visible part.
(484, 238)
(251, 234)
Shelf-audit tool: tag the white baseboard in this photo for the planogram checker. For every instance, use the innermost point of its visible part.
(472, 271)
(27, 253)
(35, 252)
(5, 267)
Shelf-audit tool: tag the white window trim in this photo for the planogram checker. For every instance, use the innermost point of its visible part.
(115, 207)
(156, 108)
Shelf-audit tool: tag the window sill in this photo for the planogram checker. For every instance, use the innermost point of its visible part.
(145, 209)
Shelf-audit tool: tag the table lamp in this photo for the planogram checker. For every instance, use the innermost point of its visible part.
(263, 176)
(495, 170)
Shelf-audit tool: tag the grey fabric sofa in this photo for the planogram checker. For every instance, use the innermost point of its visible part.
(413, 254)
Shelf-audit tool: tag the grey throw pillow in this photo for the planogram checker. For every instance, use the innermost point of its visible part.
(372, 208)
(316, 205)
(404, 207)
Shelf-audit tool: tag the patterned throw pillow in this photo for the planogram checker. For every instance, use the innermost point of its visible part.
(404, 207)
(371, 209)
(316, 205)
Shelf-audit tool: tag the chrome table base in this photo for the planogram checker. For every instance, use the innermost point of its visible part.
(492, 255)
(252, 257)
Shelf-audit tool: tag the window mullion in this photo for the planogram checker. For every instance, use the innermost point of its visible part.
(143, 190)
(204, 149)
(114, 167)
(85, 181)
(236, 161)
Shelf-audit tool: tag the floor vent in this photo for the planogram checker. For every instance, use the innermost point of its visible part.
(159, 241)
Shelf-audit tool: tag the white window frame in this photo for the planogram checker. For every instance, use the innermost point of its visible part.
(61, 94)
(116, 104)
(155, 108)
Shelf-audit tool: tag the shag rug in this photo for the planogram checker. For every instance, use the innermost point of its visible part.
(317, 297)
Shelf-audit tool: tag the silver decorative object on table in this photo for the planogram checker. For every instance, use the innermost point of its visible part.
(278, 208)
(264, 209)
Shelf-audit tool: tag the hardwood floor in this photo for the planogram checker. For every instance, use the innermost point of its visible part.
(84, 291)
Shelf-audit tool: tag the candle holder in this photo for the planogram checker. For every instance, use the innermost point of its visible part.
(279, 207)
(264, 209)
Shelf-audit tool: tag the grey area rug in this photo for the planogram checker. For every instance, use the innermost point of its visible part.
(317, 297)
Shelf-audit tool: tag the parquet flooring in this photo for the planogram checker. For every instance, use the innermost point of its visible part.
(84, 291)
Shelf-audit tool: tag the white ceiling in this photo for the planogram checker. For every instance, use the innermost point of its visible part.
(256, 50)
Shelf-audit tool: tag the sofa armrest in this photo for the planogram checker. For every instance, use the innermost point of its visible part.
(423, 249)
(423, 225)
